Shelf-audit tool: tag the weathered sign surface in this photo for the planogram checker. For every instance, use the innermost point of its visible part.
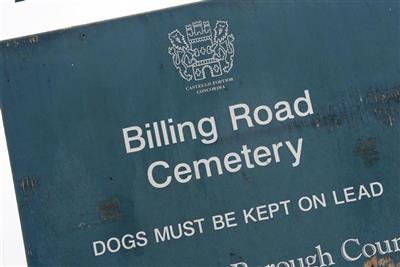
(226, 133)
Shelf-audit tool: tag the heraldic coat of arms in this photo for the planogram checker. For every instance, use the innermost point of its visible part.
(203, 53)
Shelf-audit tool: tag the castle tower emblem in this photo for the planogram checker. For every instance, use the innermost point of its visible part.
(203, 52)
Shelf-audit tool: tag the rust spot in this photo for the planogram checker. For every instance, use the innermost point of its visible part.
(109, 210)
(367, 150)
(381, 262)
(373, 262)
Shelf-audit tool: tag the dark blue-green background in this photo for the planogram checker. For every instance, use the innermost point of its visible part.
(66, 97)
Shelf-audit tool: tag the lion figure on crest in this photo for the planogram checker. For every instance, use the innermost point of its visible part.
(223, 45)
(182, 55)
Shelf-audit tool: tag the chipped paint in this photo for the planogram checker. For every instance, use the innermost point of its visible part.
(28, 185)
(356, 110)
(33, 39)
(383, 105)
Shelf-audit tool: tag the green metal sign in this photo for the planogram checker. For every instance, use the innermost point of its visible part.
(242, 133)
